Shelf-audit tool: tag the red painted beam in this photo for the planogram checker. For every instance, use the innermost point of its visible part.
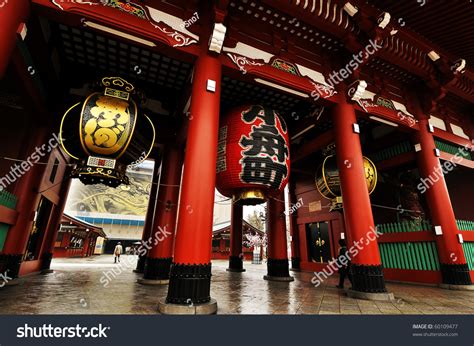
(407, 237)
(467, 236)
(8, 215)
(409, 275)
(450, 137)
(397, 161)
(458, 161)
(312, 146)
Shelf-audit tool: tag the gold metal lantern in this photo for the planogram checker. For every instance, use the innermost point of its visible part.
(328, 181)
(106, 133)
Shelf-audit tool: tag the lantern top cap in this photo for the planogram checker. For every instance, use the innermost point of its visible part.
(118, 83)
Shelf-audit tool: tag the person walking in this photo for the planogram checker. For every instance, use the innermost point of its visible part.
(345, 269)
(117, 252)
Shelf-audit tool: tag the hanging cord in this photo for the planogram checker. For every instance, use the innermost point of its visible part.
(401, 210)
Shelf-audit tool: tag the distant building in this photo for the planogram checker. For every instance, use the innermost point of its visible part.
(77, 238)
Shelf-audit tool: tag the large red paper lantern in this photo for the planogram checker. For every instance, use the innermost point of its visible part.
(253, 160)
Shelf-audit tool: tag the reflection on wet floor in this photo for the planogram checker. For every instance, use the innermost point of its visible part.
(97, 286)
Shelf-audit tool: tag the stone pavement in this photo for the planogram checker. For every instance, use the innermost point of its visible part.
(77, 287)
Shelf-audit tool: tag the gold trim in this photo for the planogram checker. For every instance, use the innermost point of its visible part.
(256, 194)
(117, 94)
(375, 173)
(325, 180)
(61, 132)
(80, 124)
(118, 81)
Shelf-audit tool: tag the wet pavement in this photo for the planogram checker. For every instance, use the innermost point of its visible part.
(98, 286)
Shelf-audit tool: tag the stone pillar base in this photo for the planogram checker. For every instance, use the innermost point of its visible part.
(152, 282)
(157, 268)
(456, 274)
(457, 287)
(190, 284)
(367, 278)
(279, 278)
(383, 296)
(235, 270)
(209, 308)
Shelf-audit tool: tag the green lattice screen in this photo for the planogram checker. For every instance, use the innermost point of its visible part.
(469, 254)
(7, 199)
(405, 226)
(3, 234)
(465, 225)
(416, 255)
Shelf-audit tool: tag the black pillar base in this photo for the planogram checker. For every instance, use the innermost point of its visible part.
(295, 263)
(46, 262)
(11, 264)
(455, 274)
(140, 264)
(368, 278)
(236, 264)
(189, 284)
(157, 268)
(277, 268)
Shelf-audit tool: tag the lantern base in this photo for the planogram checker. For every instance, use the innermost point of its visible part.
(250, 197)
(90, 175)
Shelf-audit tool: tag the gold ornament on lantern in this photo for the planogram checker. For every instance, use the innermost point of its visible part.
(328, 181)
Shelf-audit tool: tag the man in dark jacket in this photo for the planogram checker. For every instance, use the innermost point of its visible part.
(344, 266)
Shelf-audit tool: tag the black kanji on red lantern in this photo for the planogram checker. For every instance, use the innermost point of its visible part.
(268, 116)
(265, 139)
(264, 160)
(263, 170)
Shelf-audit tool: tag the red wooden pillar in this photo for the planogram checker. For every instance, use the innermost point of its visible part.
(236, 255)
(277, 262)
(160, 255)
(53, 227)
(454, 268)
(148, 226)
(190, 277)
(85, 247)
(366, 268)
(26, 190)
(295, 239)
(12, 13)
